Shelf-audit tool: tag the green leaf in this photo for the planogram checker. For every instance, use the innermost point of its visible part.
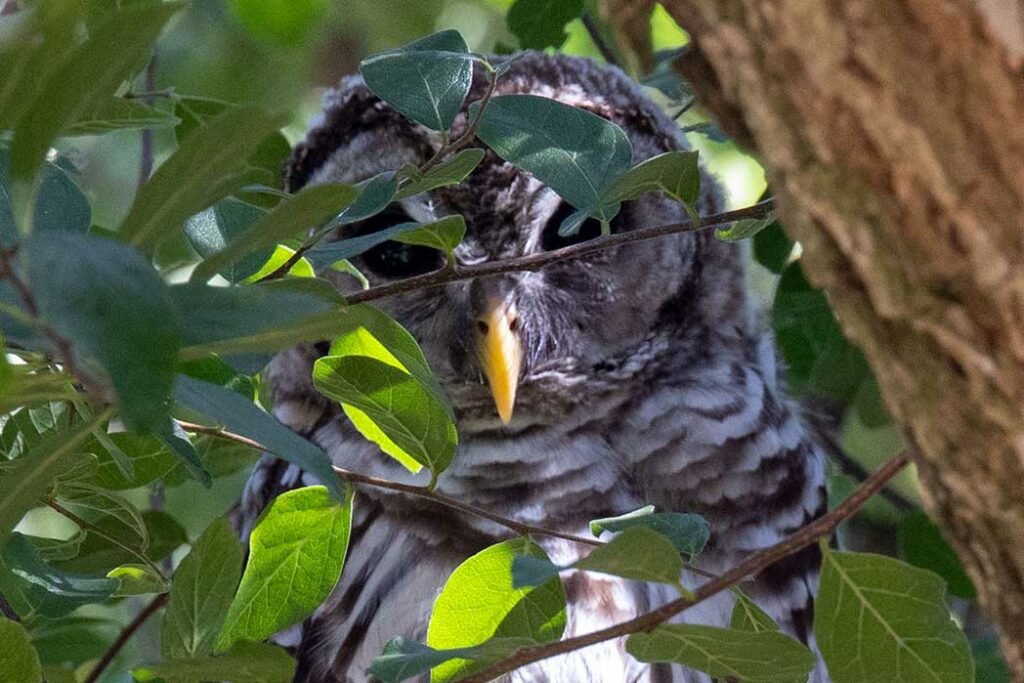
(117, 113)
(374, 196)
(577, 154)
(326, 253)
(922, 545)
(402, 659)
(56, 549)
(751, 657)
(60, 205)
(296, 553)
(150, 459)
(478, 603)
(242, 416)
(745, 229)
(637, 553)
(113, 513)
(772, 248)
(72, 640)
(426, 80)
(179, 443)
(209, 232)
(208, 165)
(98, 555)
(677, 174)
(747, 616)
(406, 410)
(875, 615)
(311, 207)
(18, 659)
(89, 76)
(201, 593)
(24, 480)
(688, 532)
(243, 663)
(286, 22)
(108, 300)
(33, 587)
(137, 579)
(541, 23)
(451, 171)
(281, 255)
(443, 234)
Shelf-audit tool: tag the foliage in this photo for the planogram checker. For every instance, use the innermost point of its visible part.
(124, 379)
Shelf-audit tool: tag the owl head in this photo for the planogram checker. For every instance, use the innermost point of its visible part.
(529, 349)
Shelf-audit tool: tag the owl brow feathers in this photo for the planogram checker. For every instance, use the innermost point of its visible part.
(453, 272)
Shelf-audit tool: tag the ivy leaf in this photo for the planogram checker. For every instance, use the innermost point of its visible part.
(541, 23)
(677, 174)
(688, 532)
(60, 205)
(18, 659)
(451, 171)
(201, 593)
(311, 207)
(405, 410)
(209, 164)
(243, 663)
(637, 553)
(426, 81)
(747, 616)
(752, 657)
(745, 229)
(241, 416)
(402, 659)
(922, 545)
(444, 234)
(875, 615)
(34, 587)
(209, 232)
(117, 113)
(296, 552)
(577, 154)
(108, 300)
(478, 603)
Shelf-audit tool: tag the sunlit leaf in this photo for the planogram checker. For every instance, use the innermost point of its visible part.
(137, 579)
(296, 552)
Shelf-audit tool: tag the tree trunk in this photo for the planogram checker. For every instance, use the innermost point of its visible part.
(893, 137)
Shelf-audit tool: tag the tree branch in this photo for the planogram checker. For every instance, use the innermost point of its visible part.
(125, 635)
(751, 565)
(455, 272)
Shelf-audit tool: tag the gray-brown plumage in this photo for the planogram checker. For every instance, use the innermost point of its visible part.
(643, 380)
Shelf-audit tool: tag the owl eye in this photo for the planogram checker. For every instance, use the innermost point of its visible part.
(551, 240)
(394, 259)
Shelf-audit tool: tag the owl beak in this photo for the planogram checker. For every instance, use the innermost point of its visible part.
(500, 353)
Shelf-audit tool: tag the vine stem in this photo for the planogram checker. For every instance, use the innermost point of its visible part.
(753, 564)
(533, 262)
(149, 610)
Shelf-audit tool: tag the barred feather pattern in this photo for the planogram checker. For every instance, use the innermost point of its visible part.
(645, 381)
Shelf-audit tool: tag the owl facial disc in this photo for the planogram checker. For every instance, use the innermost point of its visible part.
(500, 353)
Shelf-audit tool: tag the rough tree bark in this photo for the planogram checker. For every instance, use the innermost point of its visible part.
(893, 136)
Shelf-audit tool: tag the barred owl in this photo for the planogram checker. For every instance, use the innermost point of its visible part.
(632, 376)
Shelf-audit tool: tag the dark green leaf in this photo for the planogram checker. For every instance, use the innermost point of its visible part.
(112, 304)
(747, 616)
(407, 411)
(98, 555)
(208, 165)
(296, 552)
(72, 639)
(922, 545)
(201, 593)
(426, 80)
(88, 77)
(875, 615)
(56, 549)
(326, 253)
(748, 656)
(244, 663)
(677, 174)
(443, 234)
(106, 509)
(577, 154)
(374, 196)
(34, 587)
(772, 248)
(711, 130)
(175, 438)
(478, 603)
(688, 532)
(541, 23)
(402, 659)
(150, 459)
(451, 171)
(210, 231)
(311, 207)
(60, 205)
(117, 113)
(242, 416)
(18, 659)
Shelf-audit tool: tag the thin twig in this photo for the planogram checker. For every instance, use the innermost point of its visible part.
(149, 94)
(146, 147)
(859, 473)
(420, 491)
(600, 43)
(125, 635)
(536, 261)
(751, 565)
(93, 529)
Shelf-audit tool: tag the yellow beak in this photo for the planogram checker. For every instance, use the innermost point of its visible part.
(501, 355)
